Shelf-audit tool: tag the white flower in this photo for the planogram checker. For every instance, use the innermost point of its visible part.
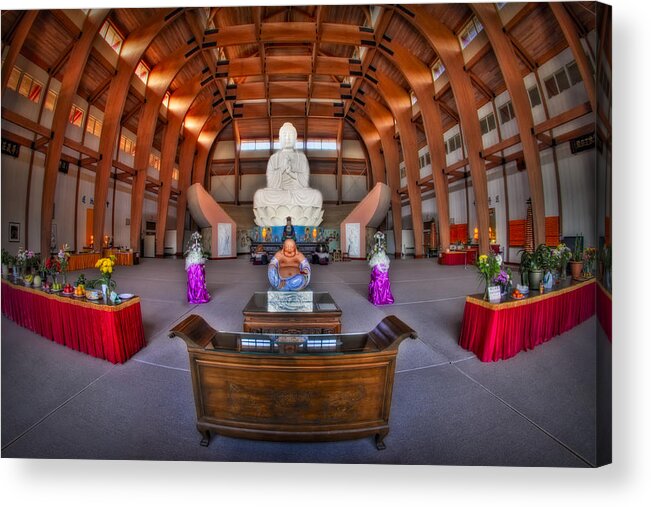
(498, 257)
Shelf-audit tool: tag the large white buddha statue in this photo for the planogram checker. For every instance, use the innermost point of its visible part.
(288, 192)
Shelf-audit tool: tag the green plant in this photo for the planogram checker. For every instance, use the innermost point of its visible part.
(7, 258)
(540, 259)
(489, 268)
(577, 253)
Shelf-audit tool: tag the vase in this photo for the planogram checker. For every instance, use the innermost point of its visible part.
(16, 272)
(576, 267)
(563, 270)
(37, 281)
(104, 291)
(535, 277)
(548, 280)
(5, 271)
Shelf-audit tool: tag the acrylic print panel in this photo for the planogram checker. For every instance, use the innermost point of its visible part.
(224, 240)
(353, 239)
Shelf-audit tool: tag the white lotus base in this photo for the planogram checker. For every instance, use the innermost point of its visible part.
(270, 216)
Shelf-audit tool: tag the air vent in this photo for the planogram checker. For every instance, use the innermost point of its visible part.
(354, 61)
(384, 48)
(350, 119)
(209, 45)
(226, 120)
(386, 38)
(347, 97)
(237, 106)
(360, 101)
(207, 80)
(339, 115)
(212, 31)
(221, 74)
(191, 40)
(344, 85)
(217, 102)
(365, 29)
(406, 11)
(356, 73)
(368, 43)
(372, 67)
(371, 79)
(223, 62)
(192, 51)
(231, 97)
(173, 13)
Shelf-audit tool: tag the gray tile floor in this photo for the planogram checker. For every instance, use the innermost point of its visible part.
(536, 409)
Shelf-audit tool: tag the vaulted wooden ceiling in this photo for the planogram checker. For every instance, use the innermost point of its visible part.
(293, 63)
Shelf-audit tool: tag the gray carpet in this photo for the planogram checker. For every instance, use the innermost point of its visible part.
(536, 409)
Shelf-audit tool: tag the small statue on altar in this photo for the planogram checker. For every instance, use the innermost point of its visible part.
(289, 270)
(288, 231)
(195, 259)
(379, 289)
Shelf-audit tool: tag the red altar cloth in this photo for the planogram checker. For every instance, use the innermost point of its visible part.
(452, 258)
(605, 311)
(500, 331)
(111, 332)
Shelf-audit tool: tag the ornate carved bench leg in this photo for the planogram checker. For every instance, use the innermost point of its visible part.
(206, 438)
(379, 441)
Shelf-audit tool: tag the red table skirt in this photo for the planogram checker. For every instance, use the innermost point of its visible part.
(452, 258)
(605, 311)
(500, 331)
(114, 333)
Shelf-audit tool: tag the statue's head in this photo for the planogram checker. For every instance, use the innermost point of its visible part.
(287, 135)
(289, 248)
(289, 220)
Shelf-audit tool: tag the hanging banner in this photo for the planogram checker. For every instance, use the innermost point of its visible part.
(10, 148)
(582, 143)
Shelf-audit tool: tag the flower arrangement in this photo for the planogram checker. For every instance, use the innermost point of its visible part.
(377, 255)
(589, 255)
(561, 255)
(195, 254)
(7, 258)
(53, 266)
(503, 279)
(63, 256)
(105, 265)
(489, 267)
(25, 260)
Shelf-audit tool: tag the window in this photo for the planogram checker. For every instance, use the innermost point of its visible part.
(76, 116)
(321, 144)
(154, 161)
(453, 144)
(247, 145)
(51, 100)
(175, 174)
(574, 73)
(563, 79)
(487, 123)
(534, 96)
(14, 78)
(438, 69)
(413, 98)
(298, 146)
(30, 88)
(142, 71)
(469, 32)
(424, 160)
(127, 145)
(94, 126)
(166, 100)
(403, 172)
(111, 35)
(506, 112)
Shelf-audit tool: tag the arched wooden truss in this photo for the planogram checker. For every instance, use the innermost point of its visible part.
(353, 65)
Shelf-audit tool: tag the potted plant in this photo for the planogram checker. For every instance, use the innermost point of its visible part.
(534, 265)
(7, 262)
(576, 263)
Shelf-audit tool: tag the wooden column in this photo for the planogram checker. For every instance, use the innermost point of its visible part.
(446, 44)
(17, 41)
(340, 136)
(508, 62)
(383, 121)
(132, 49)
(371, 139)
(420, 79)
(180, 103)
(160, 78)
(69, 85)
(572, 37)
(400, 103)
(236, 166)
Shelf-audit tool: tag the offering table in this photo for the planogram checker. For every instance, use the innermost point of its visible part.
(322, 316)
(107, 331)
(293, 388)
(495, 331)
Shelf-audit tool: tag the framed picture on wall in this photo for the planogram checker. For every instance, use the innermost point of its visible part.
(14, 232)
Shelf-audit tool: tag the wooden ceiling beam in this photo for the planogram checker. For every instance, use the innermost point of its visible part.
(16, 38)
(99, 91)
